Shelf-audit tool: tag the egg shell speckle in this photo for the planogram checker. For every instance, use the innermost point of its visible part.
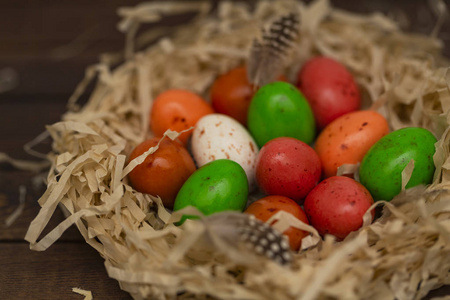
(218, 136)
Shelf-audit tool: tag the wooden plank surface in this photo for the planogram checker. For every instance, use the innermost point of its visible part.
(52, 274)
(33, 35)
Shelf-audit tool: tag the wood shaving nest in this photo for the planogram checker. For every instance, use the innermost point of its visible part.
(403, 255)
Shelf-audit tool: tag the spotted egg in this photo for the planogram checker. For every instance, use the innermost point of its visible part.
(217, 136)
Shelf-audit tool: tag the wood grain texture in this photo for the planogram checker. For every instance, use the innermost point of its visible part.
(10, 181)
(32, 37)
(52, 274)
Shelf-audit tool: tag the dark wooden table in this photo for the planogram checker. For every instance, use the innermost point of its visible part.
(33, 36)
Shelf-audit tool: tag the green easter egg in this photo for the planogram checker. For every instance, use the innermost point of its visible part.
(279, 109)
(381, 168)
(217, 186)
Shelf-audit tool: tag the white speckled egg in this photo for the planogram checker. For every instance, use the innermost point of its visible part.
(218, 136)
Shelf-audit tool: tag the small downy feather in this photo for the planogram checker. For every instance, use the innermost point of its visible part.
(257, 237)
(268, 53)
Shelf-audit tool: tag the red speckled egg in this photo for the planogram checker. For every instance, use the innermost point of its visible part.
(329, 88)
(337, 205)
(288, 167)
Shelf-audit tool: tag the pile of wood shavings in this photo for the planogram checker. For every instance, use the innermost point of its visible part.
(403, 255)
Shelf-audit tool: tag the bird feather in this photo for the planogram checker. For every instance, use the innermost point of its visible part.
(258, 238)
(268, 53)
